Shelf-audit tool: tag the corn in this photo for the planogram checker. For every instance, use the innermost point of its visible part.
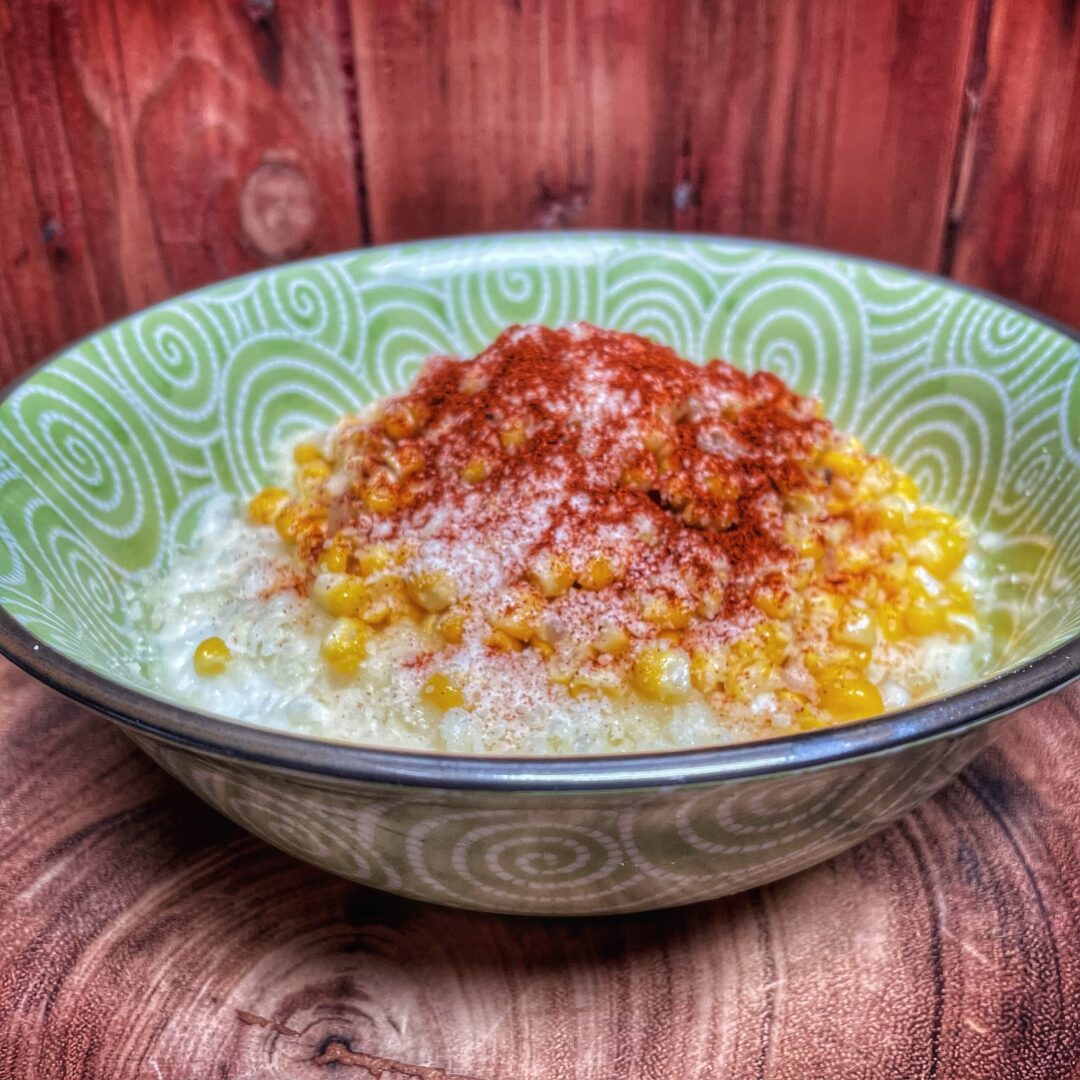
(637, 477)
(597, 574)
(947, 554)
(777, 603)
(335, 557)
(312, 473)
(380, 498)
(501, 641)
(809, 547)
(706, 669)
(475, 471)
(346, 645)
(775, 639)
(845, 465)
(906, 488)
(665, 612)
(442, 692)
(399, 421)
(552, 574)
(924, 617)
(405, 461)
(388, 601)
(521, 615)
(855, 627)
(288, 523)
(433, 590)
(211, 657)
(722, 487)
(340, 594)
(264, 508)
(452, 626)
(595, 681)
(848, 696)
(612, 641)
(306, 452)
(373, 559)
(512, 437)
(662, 674)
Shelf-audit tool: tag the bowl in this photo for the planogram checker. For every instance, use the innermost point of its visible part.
(109, 451)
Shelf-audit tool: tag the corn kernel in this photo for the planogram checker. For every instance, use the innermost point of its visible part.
(636, 476)
(612, 641)
(948, 553)
(312, 474)
(722, 487)
(924, 617)
(475, 471)
(776, 603)
(521, 614)
(906, 488)
(552, 574)
(373, 559)
(666, 612)
(340, 594)
(843, 464)
(346, 645)
(706, 669)
(775, 640)
(595, 681)
(442, 692)
(433, 590)
(211, 657)
(306, 452)
(512, 437)
(388, 600)
(662, 674)
(503, 642)
(856, 627)
(380, 498)
(452, 626)
(264, 508)
(399, 421)
(849, 696)
(598, 574)
(406, 461)
(288, 523)
(335, 557)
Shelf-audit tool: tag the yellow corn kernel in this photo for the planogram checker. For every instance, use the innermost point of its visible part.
(335, 557)
(312, 474)
(388, 601)
(949, 554)
(264, 508)
(706, 669)
(545, 649)
(849, 696)
(503, 642)
(597, 574)
(666, 612)
(346, 645)
(843, 464)
(636, 477)
(288, 522)
(612, 640)
(405, 461)
(399, 421)
(747, 673)
(596, 681)
(340, 594)
(452, 626)
(809, 547)
(475, 471)
(512, 437)
(959, 598)
(521, 614)
(776, 603)
(855, 627)
(306, 452)
(809, 718)
(925, 616)
(552, 574)
(381, 498)
(722, 487)
(433, 590)
(662, 674)
(211, 657)
(775, 640)
(373, 559)
(890, 622)
(443, 692)
(906, 488)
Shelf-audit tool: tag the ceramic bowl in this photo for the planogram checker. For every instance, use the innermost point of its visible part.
(109, 451)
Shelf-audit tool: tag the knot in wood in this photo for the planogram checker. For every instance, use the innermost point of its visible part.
(278, 210)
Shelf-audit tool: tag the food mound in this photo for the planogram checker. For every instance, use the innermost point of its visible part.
(579, 542)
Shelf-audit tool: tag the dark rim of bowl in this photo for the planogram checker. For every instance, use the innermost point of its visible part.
(219, 737)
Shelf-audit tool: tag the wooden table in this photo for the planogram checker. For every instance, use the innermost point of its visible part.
(143, 936)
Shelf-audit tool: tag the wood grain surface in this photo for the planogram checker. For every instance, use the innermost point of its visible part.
(151, 145)
(143, 936)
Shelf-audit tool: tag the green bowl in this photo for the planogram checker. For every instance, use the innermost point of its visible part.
(109, 452)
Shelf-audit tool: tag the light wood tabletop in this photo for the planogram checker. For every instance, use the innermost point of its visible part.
(144, 936)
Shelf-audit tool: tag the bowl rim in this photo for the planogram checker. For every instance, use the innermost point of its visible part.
(220, 737)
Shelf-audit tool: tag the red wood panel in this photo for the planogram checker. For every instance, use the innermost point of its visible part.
(1017, 213)
(150, 146)
(832, 123)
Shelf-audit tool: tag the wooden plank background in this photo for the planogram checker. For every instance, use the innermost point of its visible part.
(152, 145)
